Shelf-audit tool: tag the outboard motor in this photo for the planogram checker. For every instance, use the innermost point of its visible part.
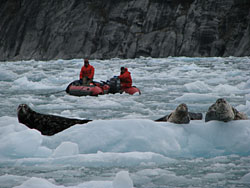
(114, 84)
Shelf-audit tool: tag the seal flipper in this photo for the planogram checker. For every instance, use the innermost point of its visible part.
(192, 115)
(195, 116)
(165, 118)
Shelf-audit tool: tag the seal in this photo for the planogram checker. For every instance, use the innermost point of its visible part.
(221, 110)
(45, 123)
(181, 115)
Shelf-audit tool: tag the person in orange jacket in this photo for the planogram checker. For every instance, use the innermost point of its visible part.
(87, 73)
(125, 78)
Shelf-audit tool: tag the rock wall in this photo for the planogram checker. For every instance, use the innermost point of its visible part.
(52, 29)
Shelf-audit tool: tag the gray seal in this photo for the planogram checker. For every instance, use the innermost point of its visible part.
(221, 110)
(181, 115)
(45, 123)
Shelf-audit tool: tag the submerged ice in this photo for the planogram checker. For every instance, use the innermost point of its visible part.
(123, 146)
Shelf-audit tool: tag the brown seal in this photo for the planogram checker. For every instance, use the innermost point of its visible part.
(181, 115)
(45, 123)
(221, 110)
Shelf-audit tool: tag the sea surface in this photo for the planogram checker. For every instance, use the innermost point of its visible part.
(124, 147)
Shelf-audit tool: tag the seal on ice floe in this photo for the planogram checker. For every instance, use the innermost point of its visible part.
(45, 123)
(181, 115)
(221, 110)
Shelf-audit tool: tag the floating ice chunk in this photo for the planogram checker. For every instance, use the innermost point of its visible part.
(244, 108)
(100, 160)
(8, 180)
(7, 75)
(94, 184)
(37, 183)
(189, 67)
(214, 79)
(167, 179)
(247, 97)
(43, 183)
(225, 89)
(247, 85)
(20, 144)
(66, 149)
(122, 180)
(24, 83)
(195, 97)
(198, 87)
(214, 176)
(246, 178)
(43, 152)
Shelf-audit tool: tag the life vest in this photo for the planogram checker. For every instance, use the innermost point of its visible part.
(125, 78)
(87, 71)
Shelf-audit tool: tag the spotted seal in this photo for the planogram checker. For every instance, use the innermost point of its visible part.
(181, 115)
(45, 123)
(221, 110)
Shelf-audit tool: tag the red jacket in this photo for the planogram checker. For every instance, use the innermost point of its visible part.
(87, 71)
(125, 78)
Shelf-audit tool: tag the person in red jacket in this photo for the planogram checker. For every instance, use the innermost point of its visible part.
(125, 78)
(87, 73)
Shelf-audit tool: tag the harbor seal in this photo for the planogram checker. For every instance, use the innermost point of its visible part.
(45, 123)
(221, 110)
(181, 115)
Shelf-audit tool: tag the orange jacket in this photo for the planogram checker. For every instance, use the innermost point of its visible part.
(125, 78)
(88, 71)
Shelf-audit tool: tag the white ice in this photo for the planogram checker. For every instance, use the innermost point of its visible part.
(123, 133)
(93, 140)
(121, 180)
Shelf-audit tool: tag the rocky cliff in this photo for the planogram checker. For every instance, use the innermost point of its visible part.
(51, 29)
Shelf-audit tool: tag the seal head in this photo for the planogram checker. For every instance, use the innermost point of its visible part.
(221, 110)
(180, 115)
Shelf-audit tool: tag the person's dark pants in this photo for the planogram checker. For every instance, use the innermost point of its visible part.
(86, 81)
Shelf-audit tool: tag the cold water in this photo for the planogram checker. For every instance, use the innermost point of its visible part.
(123, 146)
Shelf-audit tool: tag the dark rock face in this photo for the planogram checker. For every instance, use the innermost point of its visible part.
(66, 29)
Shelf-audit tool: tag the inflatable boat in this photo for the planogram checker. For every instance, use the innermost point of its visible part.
(131, 90)
(94, 89)
(99, 88)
